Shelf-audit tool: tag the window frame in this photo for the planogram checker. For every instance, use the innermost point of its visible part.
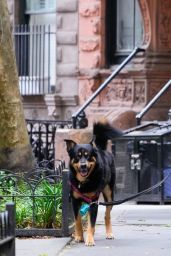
(112, 56)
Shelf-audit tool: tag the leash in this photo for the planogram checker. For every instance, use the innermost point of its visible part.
(157, 185)
(86, 206)
(89, 201)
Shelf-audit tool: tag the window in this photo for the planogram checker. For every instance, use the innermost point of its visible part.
(124, 28)
(39, 6)
(35, 47)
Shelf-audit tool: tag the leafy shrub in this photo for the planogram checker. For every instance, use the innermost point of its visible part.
(38, 205)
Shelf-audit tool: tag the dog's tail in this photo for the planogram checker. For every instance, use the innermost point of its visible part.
(103, 131)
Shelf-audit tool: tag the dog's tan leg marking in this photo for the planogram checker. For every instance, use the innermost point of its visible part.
(78, 230)
(109, 234)
(108, 195)
(90, 234)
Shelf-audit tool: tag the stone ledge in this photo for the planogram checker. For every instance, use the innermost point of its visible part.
(57, 100)
(67, 100)
(54, 102)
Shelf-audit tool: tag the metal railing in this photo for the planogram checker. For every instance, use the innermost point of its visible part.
(35, 59)
(42, 138)
(41, 198)
(79, 116)
(7, 231)
(140, 115)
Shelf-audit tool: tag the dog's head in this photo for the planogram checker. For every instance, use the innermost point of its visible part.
(82, 159)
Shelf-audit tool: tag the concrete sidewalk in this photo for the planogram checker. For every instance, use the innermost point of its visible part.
(40, 247)
(139, 230)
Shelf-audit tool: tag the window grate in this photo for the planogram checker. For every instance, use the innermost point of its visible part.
(34, 57)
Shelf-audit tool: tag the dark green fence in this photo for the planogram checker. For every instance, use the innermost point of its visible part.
(42, 201)
(7, 230)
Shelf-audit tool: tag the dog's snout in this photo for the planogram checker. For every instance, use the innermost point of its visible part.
(83, 165)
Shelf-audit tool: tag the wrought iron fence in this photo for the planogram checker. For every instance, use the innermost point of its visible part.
(7, 230)
(42, 138)
(35, 56)
(42, 201)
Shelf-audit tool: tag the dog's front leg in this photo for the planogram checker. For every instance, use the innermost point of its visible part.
(92, 215)
(78, 236)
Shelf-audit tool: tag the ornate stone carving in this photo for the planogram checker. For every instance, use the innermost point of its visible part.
(119, 91)
(139, 92)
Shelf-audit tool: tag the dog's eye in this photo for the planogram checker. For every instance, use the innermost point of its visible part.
(86, 155)
(79, 154)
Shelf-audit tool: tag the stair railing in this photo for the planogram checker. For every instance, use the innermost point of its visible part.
(151, 103)
(79, 116)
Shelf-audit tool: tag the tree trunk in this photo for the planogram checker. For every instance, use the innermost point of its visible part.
(15, 148)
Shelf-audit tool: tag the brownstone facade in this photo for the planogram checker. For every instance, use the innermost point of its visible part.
(139, 81)
(81, 65)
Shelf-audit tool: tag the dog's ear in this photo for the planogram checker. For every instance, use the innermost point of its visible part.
(70, 144)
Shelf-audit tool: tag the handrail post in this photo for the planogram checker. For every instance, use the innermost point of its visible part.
(104, 84)
(138, 120)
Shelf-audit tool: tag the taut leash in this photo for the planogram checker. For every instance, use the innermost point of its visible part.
(90, 201)
(85, 207)
(157, 185)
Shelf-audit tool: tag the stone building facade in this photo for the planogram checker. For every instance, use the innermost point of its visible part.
(60, 104)
(140, 80)
(82, 66)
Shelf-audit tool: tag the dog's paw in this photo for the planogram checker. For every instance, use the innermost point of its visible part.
(109, 236)
(78, 239)
(90, 241)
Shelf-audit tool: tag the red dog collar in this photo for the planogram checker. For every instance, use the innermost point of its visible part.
(85, 198)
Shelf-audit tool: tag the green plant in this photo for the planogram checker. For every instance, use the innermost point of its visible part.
(38, 207)
(48, 204)
(24, 213)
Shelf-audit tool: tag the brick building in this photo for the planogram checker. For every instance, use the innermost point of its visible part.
(85, 41)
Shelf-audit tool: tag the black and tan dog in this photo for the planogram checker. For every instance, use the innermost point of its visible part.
(92, 171)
